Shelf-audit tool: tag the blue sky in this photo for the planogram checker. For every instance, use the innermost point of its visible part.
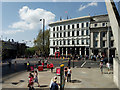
(20, 21)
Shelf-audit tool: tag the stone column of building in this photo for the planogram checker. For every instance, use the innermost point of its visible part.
(62, 51)
(79, 51)
(75, 50)
(91, 41)
(99, 40)
(66, 52)
(85, 51)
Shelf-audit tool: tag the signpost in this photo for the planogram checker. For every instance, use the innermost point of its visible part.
(62, 79)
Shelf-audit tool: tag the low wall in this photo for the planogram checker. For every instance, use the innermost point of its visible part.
(116, 70)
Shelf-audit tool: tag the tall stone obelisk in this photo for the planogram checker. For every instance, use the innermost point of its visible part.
(115, 25)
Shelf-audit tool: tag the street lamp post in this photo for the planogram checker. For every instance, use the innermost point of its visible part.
(74, 51)
(108, 44)
(43, 34)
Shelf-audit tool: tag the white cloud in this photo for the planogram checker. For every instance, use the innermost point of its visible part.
(30, 19)
(88, 5)
(11, 31)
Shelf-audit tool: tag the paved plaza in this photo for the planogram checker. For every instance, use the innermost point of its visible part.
(81, 78)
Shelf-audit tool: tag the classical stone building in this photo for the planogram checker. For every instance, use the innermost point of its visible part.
(82, 36)
(101, 36)
(70, 36)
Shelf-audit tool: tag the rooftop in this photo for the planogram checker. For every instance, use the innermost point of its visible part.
(62, 21)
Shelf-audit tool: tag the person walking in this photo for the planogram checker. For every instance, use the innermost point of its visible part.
(9, 64)
(69, 75)
(69, 63)
(39, 62)
(28, 66)
(54, 85)
(51, 66)
(101, 66)
(52, 80)
(66, 71)
(31, 82)
(36, 78)
(15, 65)
(102, 60)
(108, 67)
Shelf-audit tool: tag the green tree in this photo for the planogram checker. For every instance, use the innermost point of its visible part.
(30, 51)
(39, 43)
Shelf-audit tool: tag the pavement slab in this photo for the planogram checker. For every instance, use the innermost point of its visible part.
(81, 78)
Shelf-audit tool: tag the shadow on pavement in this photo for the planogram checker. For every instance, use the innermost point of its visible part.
(76, 81)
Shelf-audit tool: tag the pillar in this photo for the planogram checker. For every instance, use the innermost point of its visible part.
(62, 51)
(99, 39)
(85, 51)
(80, 51)
(66, 52)
(91, 41)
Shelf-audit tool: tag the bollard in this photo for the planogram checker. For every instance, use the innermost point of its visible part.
(62, 79)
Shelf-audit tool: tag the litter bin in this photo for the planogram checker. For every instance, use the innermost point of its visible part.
(40, 68)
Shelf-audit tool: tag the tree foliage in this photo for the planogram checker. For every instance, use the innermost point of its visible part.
(39, 42)
(30, 51)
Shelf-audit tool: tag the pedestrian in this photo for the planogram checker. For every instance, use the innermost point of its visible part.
(102, 60)
(52, 80)
(101, 66)
(36, 78)
(28, 66)
(94, 57)
(43, 63)
(69, 63)
(51, 66)
(66, 71)
(31, 82)
(53, 84)
(108, 66)
(15, 65)
(9, 64)
(39, 62)
(69, 75)
(46, 62)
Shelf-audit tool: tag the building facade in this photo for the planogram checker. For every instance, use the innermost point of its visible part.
(101, 36)
(70, 37)
(10, 49)
(82, 36)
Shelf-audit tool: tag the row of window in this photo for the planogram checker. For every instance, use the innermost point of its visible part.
(103, 24)
(70, 26)
(67, 42)
(103, 43)
(103, 34)
(73, 33)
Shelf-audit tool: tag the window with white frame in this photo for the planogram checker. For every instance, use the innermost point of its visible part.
(96, 43)
(82, 33)
(87, 24)
(78, 26)
(68, 26)
(82, 25)
(87, 32)
(82, 42)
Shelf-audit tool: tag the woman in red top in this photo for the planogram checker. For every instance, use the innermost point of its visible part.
(31, 82)
(51, 66)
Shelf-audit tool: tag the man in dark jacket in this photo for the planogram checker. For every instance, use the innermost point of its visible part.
(54, 86)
